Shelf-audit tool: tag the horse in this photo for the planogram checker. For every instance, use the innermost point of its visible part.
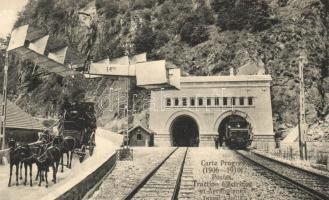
(28, 160)
(29, 156)
(67, 145)
(50, 157)
(14, 159)
(40, 147)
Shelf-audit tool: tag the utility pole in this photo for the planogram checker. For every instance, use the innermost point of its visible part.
(4, 104)
(128, 54)
(302, 121)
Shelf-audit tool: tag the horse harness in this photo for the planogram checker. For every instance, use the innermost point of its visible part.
(48, 153)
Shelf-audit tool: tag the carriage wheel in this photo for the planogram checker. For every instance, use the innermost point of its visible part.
(91, 144)
(82, 153)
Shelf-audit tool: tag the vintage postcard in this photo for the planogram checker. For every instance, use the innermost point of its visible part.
(164, 99)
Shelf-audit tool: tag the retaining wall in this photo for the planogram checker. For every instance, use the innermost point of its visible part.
(78, 191)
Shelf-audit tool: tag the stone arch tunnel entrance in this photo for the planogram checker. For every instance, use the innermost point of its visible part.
(232, 122)
(184, 132)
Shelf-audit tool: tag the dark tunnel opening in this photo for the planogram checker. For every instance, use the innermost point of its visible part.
(185, 132)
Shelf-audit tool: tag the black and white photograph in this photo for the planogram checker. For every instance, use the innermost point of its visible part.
(164, 99)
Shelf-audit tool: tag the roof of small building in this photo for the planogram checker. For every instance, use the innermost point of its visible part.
(138, 126)
(17, 118)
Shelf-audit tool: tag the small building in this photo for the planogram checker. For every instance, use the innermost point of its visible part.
(20, 125)
(140, 136)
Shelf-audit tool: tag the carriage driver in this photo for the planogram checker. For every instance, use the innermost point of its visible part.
(46, 136)
(90, 121)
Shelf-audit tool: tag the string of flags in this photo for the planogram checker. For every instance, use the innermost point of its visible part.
(55, 56)
(48, 53)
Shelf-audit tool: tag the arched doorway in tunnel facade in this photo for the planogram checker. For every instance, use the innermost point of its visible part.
(240, 124)
(184, 131)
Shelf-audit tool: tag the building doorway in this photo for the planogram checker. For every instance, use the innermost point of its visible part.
(184, 132)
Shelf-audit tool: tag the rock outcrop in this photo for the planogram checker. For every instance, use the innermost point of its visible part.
(201, 37)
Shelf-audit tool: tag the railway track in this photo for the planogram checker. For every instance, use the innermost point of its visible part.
(186, 190)
(314, 185)
(164, 181)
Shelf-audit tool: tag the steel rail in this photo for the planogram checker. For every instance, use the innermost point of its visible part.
(147, 177)
(308, 190)
(179, 178)
(292, 166)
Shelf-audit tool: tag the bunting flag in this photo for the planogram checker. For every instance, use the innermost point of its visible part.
(34, 44)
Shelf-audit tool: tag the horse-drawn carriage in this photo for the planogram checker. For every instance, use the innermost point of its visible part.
(79, 122)
(76, 134)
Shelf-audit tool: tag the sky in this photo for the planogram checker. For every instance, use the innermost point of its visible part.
(8, 14)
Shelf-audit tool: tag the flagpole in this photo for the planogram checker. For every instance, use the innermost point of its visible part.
(128, 53)
(302, 121)
(4, 104)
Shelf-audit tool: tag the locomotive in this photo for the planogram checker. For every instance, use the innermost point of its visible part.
(238, 134)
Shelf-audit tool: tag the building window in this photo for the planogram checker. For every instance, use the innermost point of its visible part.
(225, 101)
(176, 101)
(139, 136)
(192, 101)
(217, 101)
(184, 101)
(208, 101)
(233, 101)
(168, 102)
(200, 101)
(241, 99)
(249, 101)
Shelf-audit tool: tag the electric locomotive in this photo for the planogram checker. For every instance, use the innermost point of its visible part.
(238, 134)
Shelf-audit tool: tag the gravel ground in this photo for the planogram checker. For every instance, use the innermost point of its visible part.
(245, 181)
(128, 173)
(297, 163)
(162, 184)
(309, 180)
(209, 174)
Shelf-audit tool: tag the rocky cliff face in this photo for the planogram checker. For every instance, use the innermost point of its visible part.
(200, 36)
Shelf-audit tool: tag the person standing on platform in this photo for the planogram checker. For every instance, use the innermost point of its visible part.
(216, 141)
(221, 140)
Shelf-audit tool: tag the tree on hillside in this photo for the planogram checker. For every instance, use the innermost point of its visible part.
(141, 4)
(144, 40)
(74, 88)
(193, 31)
(109, 8)
(252, 15)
